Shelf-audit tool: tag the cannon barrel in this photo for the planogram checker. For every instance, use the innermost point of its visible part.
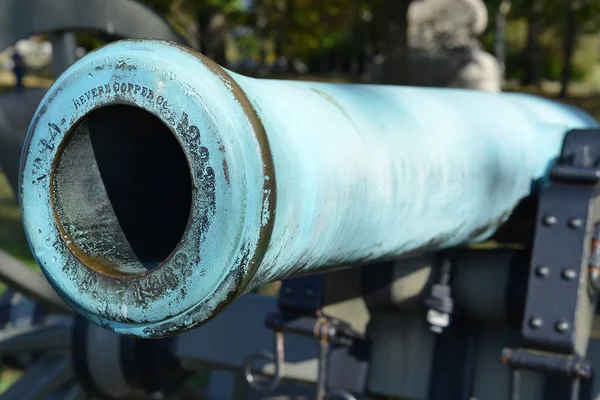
(156, 186)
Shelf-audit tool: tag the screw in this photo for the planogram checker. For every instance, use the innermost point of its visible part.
(535, 322)
(549, 220)
(287, 291)
(575, 223)
(562, 326)
(310, 293)
(542, 271)
(569, 274)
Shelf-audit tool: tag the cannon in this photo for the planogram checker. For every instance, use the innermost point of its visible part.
(157, 187)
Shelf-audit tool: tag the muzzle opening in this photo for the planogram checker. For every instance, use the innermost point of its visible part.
(122, 190)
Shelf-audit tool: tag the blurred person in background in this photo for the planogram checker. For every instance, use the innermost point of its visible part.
(19, 69)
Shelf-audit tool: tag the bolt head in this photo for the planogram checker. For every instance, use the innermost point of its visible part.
(437, 319)
(542, 271)
(575, 223)
(535, 322)
(562, 326)
(549, 220)
(569, 274)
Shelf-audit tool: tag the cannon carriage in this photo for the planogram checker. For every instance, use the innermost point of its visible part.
(365, 200)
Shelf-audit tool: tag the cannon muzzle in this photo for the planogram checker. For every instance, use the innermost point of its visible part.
(156, 186)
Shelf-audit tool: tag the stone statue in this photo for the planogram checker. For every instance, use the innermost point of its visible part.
(444, 48)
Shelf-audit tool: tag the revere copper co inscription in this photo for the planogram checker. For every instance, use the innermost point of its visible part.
(120, 88)
(129, 89)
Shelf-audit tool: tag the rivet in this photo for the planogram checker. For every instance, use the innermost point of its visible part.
(542, 271)
(575, 223)
(535, 322)
(562, 326)
(569, 274)
(549, 220)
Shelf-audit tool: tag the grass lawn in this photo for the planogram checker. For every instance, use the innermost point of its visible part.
(12, 236)
(12, 240)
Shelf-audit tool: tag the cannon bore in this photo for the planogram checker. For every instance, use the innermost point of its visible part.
(157, 187)
(121, 190)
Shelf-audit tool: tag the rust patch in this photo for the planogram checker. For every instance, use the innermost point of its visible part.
(123, 64)
(231, 285)
(97, 264)
(332, 101)
(226, 171)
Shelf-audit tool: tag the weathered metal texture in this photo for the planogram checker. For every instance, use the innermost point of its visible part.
(286, 178)
(20, 19)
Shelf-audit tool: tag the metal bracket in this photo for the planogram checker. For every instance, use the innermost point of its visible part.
(560, 298)
(327, 331)
(302, 295)
(300, 303)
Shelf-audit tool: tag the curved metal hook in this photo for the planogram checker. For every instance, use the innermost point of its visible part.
(278, 359)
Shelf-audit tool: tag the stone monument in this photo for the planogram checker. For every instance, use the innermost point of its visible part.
(444, 47)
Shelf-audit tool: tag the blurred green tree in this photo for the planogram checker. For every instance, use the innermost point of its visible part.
(543, 39)
(330, 37)
(203, 22)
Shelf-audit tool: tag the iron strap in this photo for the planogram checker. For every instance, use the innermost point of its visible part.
(558, 276)
(558, 304)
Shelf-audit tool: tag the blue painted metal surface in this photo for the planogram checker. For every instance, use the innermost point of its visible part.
(288, 177)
